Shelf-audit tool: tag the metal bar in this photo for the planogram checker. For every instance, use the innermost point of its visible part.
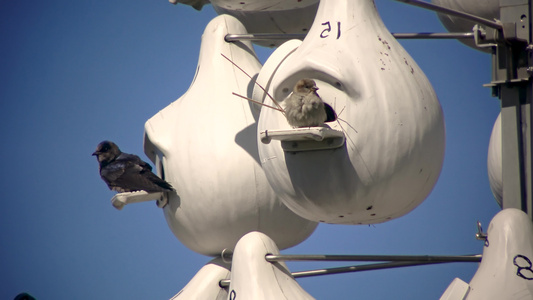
(512, 149)
(514, 86)
(437, 35)
(529, 119)
(263, 36)
(396, 258)
(224, 283)
(281, 36)
(360, 268)
(352, 269)
(453, 12)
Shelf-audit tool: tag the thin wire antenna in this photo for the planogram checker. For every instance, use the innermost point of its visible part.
(340, 119)
(352, 144)
(272, 98)
(260, 103)
(340, 113)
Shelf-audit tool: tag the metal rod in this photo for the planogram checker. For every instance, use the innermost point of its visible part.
(281, 36)
(360, 268)
(351, 269)
(452, 12)
(224, 283)
(438, 35)
(263, 36)
(397, 258)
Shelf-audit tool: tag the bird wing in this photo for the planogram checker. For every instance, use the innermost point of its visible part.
(129, 173)
(294, 102)
(132, 158)
(111, 172)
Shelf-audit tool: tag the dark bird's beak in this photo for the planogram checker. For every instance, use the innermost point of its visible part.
(314, 88)
(95, 153)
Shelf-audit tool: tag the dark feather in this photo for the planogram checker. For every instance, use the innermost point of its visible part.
(124, 172)
(330, 113)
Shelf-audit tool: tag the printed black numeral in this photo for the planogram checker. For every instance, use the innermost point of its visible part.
(523, 265)
(325, 33)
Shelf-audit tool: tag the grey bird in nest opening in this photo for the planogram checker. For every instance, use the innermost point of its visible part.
(304, 107)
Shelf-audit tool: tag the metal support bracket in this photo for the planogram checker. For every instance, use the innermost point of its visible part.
(512, 83)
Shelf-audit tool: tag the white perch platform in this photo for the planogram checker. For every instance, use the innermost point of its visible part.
(122, 199)
(305, 139)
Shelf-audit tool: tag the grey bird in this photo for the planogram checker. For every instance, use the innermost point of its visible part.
(125, 172)
(304, 107)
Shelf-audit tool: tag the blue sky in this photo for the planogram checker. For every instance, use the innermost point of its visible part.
(74, 73)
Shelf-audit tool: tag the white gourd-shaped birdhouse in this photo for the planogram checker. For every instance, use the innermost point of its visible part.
(383, 154)
(494, 161)
(205, 145)
(506, 271)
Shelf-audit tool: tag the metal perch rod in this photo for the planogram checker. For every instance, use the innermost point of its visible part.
(410, 258)
(394, 261)
(284, 36)
(434, 35)
(360, 268)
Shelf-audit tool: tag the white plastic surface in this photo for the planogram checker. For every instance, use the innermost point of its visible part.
(386, 107)
(205, 284)
(206, 143)
(252, 277)
(494, 161)
(305, 139)
(122, 199)
(457, 290)
(506, 270)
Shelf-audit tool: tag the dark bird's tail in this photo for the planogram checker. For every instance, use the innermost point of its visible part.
(165, 186)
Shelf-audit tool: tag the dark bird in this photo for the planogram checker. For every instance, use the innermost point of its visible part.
(304, 107)
(125, 172)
